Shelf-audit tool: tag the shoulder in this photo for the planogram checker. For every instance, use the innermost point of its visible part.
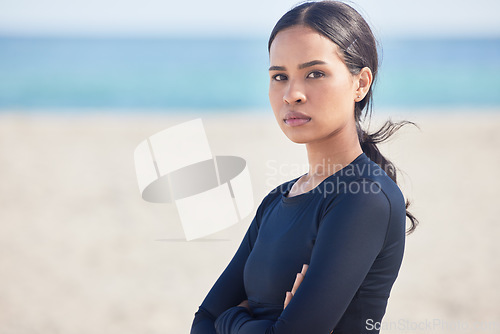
(365, 188)
(380, 198)
(372, 181)
(359, 195)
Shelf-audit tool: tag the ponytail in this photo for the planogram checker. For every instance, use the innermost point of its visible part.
(369, 143)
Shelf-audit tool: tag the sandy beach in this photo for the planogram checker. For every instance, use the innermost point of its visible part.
(81, 252)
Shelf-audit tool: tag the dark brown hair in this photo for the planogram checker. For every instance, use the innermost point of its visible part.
(345, 27)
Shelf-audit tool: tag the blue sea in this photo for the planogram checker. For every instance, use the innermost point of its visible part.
(225, 74)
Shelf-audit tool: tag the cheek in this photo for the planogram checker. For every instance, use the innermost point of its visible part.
(336, 94)
(275, 98)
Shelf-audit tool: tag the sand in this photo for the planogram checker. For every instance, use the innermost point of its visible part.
(81, 252)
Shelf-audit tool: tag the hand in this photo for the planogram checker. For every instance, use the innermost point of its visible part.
(296, 284)
(244, 304)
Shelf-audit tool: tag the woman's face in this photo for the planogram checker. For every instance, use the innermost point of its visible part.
(308, 77)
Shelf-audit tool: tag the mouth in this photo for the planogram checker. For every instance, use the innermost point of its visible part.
(294, 118)
(296, 121)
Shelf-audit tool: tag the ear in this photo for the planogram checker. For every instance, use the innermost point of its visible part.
(363, 82)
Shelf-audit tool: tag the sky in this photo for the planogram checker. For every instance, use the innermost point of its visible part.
(393, 18)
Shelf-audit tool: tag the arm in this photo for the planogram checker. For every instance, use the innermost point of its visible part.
(351, 234)
(229, 289)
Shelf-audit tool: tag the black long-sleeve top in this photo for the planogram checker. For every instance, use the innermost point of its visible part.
(350, 229)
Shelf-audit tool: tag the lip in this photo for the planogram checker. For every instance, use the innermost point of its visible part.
(295, 118)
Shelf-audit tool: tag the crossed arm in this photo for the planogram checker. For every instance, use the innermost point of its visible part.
(351, 231)
(289, 294)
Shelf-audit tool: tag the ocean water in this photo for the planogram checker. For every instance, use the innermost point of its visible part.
(225, 74)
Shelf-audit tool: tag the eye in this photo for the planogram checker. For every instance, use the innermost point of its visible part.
(279, 77)
(316, 75)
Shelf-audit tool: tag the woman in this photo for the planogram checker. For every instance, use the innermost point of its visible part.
(344, 221)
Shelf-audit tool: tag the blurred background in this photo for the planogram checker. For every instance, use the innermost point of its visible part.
(82, 83)
(213, 55)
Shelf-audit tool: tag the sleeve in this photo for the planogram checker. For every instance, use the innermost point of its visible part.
(229, 289)
(351, 234)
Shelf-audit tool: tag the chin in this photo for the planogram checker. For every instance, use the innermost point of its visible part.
(298, 135)
(298, 139)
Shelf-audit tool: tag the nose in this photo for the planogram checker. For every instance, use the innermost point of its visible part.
(294, 94)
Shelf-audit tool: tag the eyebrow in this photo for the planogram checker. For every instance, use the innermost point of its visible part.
(300, 67)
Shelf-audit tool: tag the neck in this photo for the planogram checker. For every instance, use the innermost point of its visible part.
(333, 153)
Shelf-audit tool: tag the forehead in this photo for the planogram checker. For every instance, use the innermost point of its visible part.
(302, 44)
